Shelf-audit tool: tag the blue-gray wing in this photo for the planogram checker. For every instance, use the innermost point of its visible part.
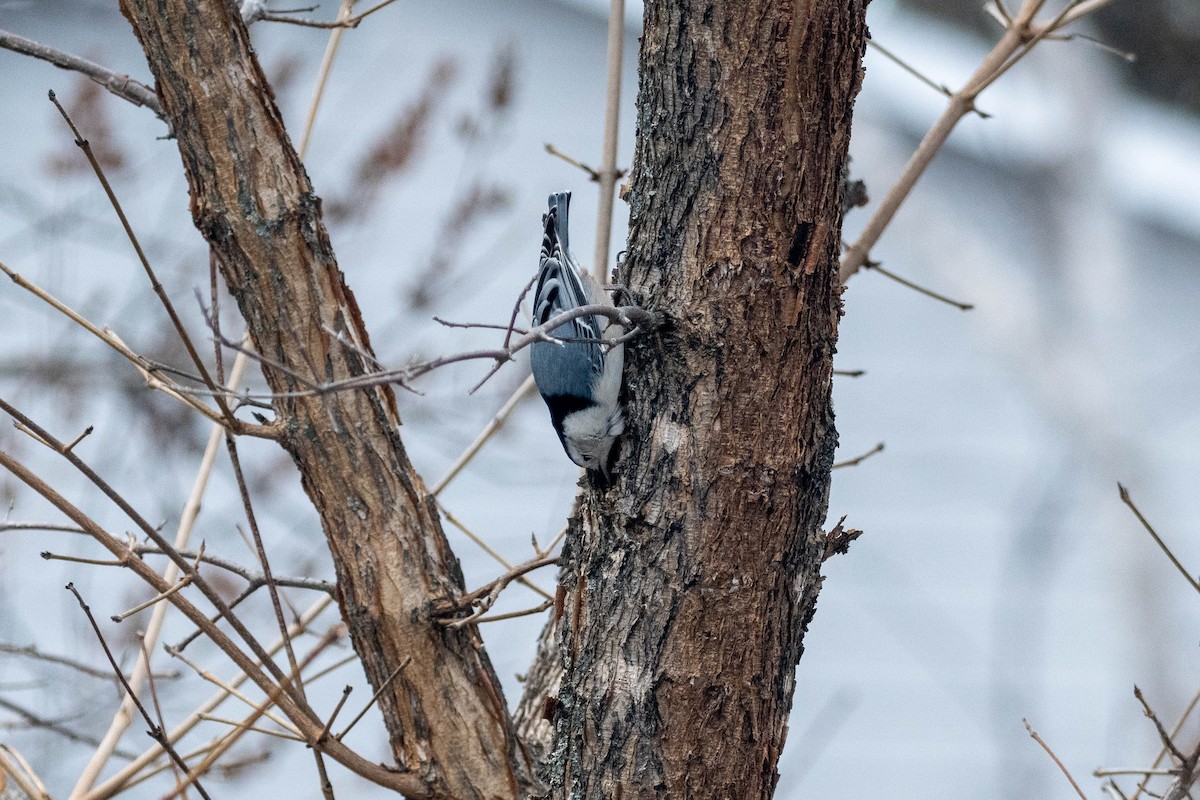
(560, 288)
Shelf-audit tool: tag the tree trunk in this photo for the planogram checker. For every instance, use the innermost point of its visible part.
(250, 197)
(693, 577)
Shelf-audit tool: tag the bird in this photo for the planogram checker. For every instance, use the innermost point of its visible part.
(578, 379)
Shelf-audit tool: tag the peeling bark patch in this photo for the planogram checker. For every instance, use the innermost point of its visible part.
(800, 241)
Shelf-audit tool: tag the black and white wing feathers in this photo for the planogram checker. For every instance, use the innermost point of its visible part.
(560, 287)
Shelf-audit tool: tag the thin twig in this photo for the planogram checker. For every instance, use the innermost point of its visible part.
(554, 151)
(629, 317)
(198, 631)
(1127, 500)
(155, 284)
(1112, 790)
(608, 159)
(32, 651)
(234, 723)
(331, 49)
(489, 430)
(512, 320)
(1050, 753)
(256, 579)
(122, 550)
(123, 778)
(336, 710)
(156, 732)
(940, 88)
(334, 667)
(543, 606)
(158, 598)
(485, 596)
(95, 562)
(340, 22)
(1167, 741)
(1103, 772)
(187, 521)
(1183, 718)
(252, 520)
(232, 691)
(275, 695)
(378, 692)
(16, 767)
(122, 86)
(86, 433)
(162, 725)
(148, 368)
(917, 287)
(40, 526)
(35, 720)
(1020, 35)
(453, 520)
(853, 462)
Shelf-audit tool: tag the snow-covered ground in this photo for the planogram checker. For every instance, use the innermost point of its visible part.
(999, 577)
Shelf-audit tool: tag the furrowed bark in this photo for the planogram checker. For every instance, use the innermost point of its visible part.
(252, 201)
(694, 576)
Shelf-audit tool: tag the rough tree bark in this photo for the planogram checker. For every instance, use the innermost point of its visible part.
(252, 200)
(692, 579)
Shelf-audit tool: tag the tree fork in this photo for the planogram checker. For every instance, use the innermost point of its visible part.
(252, 200)
(692, 579)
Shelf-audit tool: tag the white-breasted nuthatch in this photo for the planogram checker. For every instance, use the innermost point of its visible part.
(579, 381)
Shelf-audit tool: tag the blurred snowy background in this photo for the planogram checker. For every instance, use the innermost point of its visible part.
(999, 577)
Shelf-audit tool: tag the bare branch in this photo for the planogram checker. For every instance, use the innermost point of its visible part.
(252, 520)
(141, 254)
(539, 608)
(1021, 34)
(32, 651)
(375, 697)
(35, 720)
(40, 526)
(489, 430)
(1167, 741)
(1050, 753)
(14, 765)
(456, 522)
(940, 88)
(255, 579)
(162, 726)
(609, 175)
(122, 86)
(633, 318)
(485, 596)
(234, 723)
(302, 715)
(148, 369)
(120, 549)
(340, 22)
(158, 598)
(877, 267)
(1183, 718)
(123, 778)
(155, 732)
(1127, 500)
(554, 151)
(853, 462)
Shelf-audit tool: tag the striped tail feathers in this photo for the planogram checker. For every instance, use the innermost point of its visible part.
(560, 285)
